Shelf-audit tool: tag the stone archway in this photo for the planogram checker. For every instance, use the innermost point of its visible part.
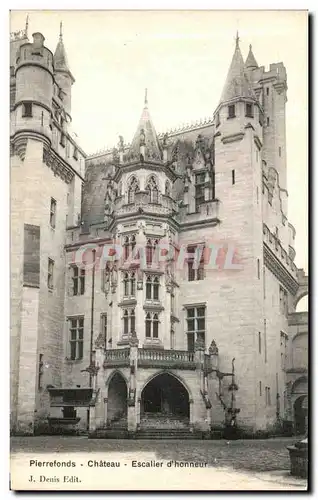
(117, 401)
(300, 415)
(164, 403)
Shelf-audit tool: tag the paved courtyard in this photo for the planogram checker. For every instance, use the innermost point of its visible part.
(255, 464)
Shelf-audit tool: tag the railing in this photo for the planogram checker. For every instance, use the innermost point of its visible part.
(166, 358)
(116, 357)
(156, 358)
(165, 205)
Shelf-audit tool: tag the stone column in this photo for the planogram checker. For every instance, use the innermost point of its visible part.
(140, 292)
(99, 355)
(200, 417)
(138, 412)
(199, 361)
(131, 401)
(105, 411)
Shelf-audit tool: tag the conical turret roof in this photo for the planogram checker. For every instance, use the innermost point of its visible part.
(250, 60)
(236, 83)
(145, 135)
(60, 57)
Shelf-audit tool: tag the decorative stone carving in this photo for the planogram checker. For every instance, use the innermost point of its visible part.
(100, 342)
(59, 168)
(142, 137)
(133, 339)
(165, 140)
(121, 143)
(213, 349)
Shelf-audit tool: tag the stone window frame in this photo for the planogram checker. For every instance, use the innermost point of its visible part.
(195, 274)
(78, 280)
(195, 318)
(249, 111)
(132, 187)
(40, 371)
(129, 284)
(129, 243)
(104, 327)
(199, 187)
(50, 273)
(231, 111)
(152, 288)
(151, 246)
(152, 189)
(27, 109)
(152, 322)
(53, 206)
(76, 337)
(129, 320)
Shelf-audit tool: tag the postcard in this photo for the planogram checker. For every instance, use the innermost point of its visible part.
(159, 266)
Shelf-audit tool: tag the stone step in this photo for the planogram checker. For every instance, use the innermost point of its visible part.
(167, 434)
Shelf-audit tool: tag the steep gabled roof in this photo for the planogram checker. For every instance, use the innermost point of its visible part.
(236, 83)
(250, 62)
(145, 133)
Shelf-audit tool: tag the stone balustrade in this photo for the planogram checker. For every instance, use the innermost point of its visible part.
(151, 358)
(117, 357)
(165, 205)
(166, 358)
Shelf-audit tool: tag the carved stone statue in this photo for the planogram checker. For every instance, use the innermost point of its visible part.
(142, 137)
(213, 349)
(165, 140)
(121, 143)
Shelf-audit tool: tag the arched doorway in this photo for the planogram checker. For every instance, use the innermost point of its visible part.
(300, 415)
(165, 402)
(117, 401)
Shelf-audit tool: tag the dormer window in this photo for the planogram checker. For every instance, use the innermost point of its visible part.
(231, 111)
(75, 153)
(249, 110)
(27, 110)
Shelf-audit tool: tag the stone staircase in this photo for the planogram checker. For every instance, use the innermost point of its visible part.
(165, 426)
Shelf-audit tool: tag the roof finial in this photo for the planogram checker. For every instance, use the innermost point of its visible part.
(26, 25)
(146, 97)
(237, 39)
(61, 31)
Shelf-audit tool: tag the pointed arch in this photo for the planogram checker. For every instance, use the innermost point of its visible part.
(152, 188)
(132, 188)
(168, 372)
(117, 392)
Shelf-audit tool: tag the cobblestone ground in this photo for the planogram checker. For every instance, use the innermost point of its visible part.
(254, 455)
(233, 465)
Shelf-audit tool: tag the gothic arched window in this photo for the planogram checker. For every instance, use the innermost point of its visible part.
(152, 325)
(152, 190)
(129, 321)
(133, 186)
(152, 288)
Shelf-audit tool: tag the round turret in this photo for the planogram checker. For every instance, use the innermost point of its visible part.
(34, 85)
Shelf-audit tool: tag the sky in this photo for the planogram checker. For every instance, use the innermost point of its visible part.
(182, 58)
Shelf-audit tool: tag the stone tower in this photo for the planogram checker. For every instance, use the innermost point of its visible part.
(46, 180)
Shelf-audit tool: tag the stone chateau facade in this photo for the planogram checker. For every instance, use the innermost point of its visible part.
(186, 323)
